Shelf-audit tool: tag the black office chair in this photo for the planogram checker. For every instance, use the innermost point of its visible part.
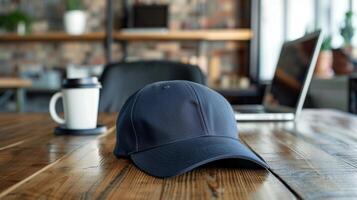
(120, 80)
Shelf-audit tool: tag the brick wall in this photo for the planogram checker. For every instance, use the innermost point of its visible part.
(184, 14)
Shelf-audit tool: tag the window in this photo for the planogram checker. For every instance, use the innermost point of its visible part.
(283, 20)
(271, 36)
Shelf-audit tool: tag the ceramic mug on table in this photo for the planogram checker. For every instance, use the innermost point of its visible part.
(80, 101)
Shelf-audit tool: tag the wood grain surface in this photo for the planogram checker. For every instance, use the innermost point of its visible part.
(314, 158)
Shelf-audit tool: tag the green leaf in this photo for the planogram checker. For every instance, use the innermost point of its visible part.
(74, 5)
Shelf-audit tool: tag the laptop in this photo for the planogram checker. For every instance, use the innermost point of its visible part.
(284, 98)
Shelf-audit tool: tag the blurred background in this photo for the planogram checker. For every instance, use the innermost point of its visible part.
(236, 44)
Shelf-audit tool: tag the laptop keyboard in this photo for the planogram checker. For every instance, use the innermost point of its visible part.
(258, 110)
(251, 110)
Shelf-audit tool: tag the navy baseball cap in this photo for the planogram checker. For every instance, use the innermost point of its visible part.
(170, 127)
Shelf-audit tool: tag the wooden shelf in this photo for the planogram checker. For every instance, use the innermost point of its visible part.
(51, 37)
(12, 82)
(207, 35)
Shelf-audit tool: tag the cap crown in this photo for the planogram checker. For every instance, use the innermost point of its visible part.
(169, 111)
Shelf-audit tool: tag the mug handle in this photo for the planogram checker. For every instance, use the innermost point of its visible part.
(52, 108)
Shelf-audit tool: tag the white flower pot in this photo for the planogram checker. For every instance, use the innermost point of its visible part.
(75, 22)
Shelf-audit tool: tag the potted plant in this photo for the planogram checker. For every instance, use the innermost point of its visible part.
(324, 61)
(74, 17)
(342, 64)
(16, 21)
(347, 30)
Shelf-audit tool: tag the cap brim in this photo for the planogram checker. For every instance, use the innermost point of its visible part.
(180, 157)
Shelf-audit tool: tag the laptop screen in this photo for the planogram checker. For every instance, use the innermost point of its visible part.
(291, 71)
(150, 16)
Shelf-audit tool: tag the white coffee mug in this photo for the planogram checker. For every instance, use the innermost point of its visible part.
(80, 101)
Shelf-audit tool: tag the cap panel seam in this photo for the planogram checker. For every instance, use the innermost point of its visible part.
(188, 87)
(181, 140)
(132, 122)
(200, 109)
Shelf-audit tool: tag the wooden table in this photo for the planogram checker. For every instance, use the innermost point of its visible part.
(18, 84)
(314, 158)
